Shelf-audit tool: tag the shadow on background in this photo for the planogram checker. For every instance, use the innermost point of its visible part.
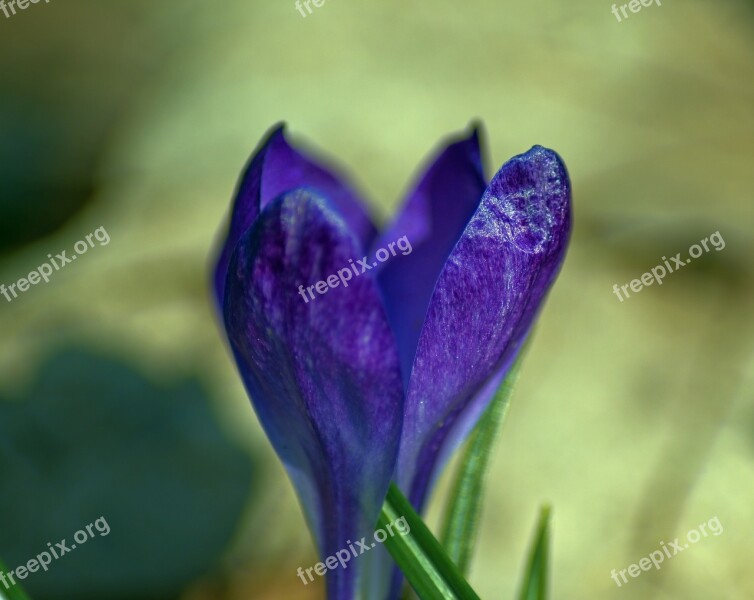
(93, 438)
(63, 97)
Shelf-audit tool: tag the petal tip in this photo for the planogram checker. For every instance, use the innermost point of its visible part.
(532, 199)
(476, 129)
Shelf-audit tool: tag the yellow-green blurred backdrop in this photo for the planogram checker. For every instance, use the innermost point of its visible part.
(633, 419)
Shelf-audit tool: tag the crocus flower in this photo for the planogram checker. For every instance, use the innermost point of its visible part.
(382, 379)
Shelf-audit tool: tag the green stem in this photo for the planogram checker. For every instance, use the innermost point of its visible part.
(461, 525)
(420, 556)
(535, 582)
(14, 592)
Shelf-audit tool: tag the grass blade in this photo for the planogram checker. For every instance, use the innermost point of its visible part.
(14, 592)
(459, 531)
(535, 579)
(420, 556)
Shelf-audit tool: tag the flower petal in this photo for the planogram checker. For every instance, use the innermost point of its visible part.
(433, 218)
(275, 168)
(323, 373)
(482, 308)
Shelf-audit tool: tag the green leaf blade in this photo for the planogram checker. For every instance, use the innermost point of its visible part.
(13, 592)
(420, 556)
(459, 532)
(534, 586)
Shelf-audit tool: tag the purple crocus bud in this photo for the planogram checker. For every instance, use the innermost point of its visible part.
(323, 374)
(479, 280)
(384, 378)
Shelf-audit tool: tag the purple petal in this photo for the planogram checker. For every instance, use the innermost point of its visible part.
(433, 218)
(275, 168)
(482, 308)
(323, 374)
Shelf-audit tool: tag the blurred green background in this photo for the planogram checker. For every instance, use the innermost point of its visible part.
(118, 398)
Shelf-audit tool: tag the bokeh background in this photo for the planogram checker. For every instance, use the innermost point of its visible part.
(118, 397)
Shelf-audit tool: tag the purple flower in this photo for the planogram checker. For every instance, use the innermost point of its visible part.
(384, 378)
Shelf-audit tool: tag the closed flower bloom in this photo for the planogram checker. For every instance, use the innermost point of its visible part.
(382, 379)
